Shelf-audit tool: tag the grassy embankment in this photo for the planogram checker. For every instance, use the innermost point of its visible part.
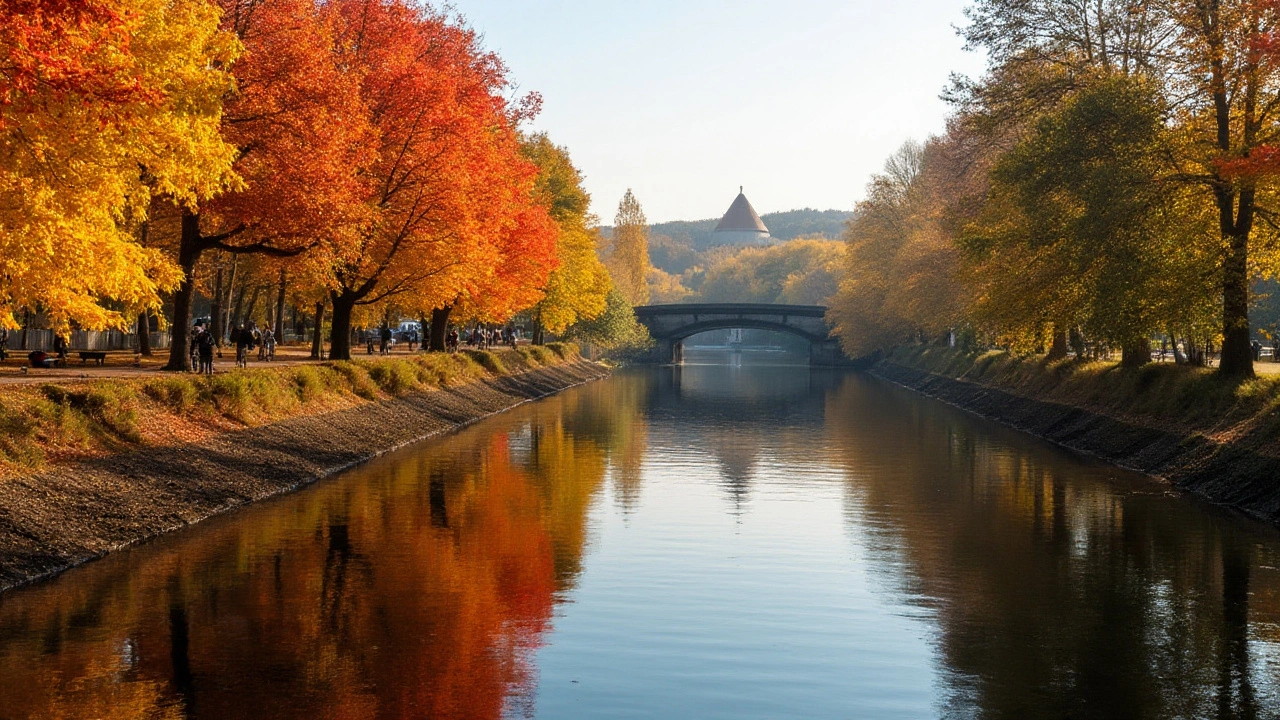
(63, 422)
(1184, 400)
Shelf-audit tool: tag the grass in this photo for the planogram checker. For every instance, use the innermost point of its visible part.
(1159, 394)
(56, 422)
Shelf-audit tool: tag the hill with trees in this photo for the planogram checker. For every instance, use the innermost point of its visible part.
(788, 225)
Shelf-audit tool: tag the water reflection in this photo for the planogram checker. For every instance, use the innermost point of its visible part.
(737, 413)
(417, 587)
(706, 541)
(1062, 588)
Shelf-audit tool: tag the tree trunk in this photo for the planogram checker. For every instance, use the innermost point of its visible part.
(253, 302)
(340, 329)
(188, 255)
(215, 311)
(279, 324)
(226, 307)
(144, 334)
(1178, 357)
(440, 327)
(26, 324)
(1237, 352)
(316, 339)
(1135, 353)
(1058, 350)
(1076, 340)
(1235, 204)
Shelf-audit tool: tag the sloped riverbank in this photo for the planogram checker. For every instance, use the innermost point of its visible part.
(67, 513)
(1215, 439)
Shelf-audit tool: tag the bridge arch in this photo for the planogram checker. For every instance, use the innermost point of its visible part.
(692, 329)
(670, 325)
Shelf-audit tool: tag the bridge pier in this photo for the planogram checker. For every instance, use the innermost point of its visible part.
(666, 350)
(827, 353)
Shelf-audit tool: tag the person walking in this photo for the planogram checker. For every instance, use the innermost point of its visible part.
(244, 339)
(385, 347)
(204, 346)
(194, 350)
(268, 345)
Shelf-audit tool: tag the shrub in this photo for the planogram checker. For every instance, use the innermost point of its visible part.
(230, 394)
(395, 377)
(487, 360)
(310, 383)
(542, 355)
(178, 393)
(19, 438)
(107, 406)
(437, 368)
(357, 378)
(248, 395)
(563, 350)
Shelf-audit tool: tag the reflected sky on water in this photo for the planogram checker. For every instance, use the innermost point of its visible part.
(737, 540)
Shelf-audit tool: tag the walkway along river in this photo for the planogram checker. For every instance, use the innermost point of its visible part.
(705, 541)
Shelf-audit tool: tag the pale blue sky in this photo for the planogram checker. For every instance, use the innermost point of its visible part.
(683, 101)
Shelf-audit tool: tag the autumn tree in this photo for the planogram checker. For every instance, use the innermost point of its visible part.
(299, 128)
(517, 278)
(804, 271)
(901, 278)
(1230, 111)
(628, 258)
(448, 188)
(1081, 229)
(578, 287)
(1204, 58)
(614, 329)
(104, 106)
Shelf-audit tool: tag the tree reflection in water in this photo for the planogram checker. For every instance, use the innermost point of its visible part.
(1061, 588)
(418, 586)
(422, 584)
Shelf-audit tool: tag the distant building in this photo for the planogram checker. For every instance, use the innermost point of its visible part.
(741, 225)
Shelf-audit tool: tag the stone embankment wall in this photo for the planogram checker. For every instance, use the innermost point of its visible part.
(1242, 472)
(68, 514)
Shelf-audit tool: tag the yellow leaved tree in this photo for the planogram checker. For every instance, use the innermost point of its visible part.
(106, 105)
(577, 288)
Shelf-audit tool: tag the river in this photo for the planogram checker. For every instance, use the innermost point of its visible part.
(736, 540)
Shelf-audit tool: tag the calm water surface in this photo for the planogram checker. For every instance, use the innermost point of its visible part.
(707, 541)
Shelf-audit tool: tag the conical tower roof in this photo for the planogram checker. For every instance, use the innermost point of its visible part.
(741, 217)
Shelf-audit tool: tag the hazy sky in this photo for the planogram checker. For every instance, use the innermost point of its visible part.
(685, 100)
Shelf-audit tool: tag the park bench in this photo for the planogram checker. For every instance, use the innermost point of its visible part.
(97, 356)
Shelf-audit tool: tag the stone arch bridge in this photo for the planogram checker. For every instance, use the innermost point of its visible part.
(671, 324)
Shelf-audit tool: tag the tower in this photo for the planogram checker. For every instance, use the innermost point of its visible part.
(741, 225)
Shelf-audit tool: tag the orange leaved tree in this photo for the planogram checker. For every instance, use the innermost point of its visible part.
(447, 185)
(300, 129)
